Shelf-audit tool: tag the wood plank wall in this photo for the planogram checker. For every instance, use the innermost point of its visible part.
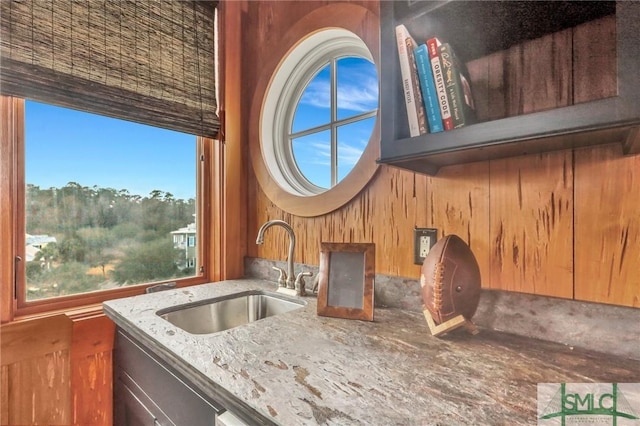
(91, 371)
(563, 224)
(56, 371)
(35, 372)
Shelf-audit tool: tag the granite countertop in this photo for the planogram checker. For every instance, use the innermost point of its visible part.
(300, 368)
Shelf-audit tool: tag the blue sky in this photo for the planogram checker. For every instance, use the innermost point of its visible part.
(357, 92)
(65, 145)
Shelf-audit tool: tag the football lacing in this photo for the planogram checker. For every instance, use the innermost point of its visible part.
(438, 275)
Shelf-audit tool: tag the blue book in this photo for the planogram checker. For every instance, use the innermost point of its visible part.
(429, 96)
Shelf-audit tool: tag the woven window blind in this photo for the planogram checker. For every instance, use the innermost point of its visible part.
(149, 61)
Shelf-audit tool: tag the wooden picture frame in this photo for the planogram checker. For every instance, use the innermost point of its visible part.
(346, 283)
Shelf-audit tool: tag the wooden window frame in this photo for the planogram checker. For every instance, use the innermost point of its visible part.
(223, 180)
(12, 194)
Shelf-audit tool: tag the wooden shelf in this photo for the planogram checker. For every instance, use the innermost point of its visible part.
(473, 29)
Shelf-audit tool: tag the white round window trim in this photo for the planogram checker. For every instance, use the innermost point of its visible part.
(287, 83)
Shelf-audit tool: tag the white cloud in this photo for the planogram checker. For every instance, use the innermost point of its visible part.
(358, 93)
(319, 154)
(317, 94)
(348, 155)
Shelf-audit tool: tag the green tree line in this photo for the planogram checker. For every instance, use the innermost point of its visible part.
(126, 236)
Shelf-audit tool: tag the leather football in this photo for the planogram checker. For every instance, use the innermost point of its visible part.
(450, 280)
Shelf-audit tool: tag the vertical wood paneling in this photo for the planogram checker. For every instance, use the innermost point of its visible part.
(92, 389)
(565, 68)
(390, 217)
(35, 356)
(594, 57)
(40, 390)
(387, 219)
(532, 224)
(458, 203)
(4, 395)
(385, 213)
(539, 74)
(489, 86)
(56, 371)
(607, 238)
(265, 23)
(91, 372)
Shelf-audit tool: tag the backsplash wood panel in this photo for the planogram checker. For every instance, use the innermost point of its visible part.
(531, 213)
(517, 214)
(458, 203)
(91, 372)
(607, 237)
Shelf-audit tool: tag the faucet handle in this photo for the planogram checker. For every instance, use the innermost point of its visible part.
(300, 284)
(316, 282)
(282, 279)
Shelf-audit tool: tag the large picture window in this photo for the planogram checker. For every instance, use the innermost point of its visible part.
(91, 212)
(108, 203)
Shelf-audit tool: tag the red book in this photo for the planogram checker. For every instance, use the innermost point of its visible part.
(432, 45)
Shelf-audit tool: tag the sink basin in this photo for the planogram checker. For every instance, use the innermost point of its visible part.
(223, 313)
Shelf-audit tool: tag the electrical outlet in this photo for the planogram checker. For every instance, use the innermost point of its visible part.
(423, 240)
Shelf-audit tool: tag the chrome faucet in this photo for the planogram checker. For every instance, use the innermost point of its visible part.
(286, 278)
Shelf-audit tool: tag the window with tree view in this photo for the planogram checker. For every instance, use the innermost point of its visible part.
(108, 203)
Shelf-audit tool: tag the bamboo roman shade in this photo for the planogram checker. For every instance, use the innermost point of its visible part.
(150, 61)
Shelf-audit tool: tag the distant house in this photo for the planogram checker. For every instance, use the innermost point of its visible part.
(185, 239)
(34, 243)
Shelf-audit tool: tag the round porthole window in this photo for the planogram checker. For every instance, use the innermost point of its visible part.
(314, 137)
(319, 112)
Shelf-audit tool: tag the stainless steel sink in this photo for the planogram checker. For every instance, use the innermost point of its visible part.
(223, 313)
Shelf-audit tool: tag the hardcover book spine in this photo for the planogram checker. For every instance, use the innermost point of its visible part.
(417, 91)
(432, 45)
(457, 87)
(407, 85)
(429, 94)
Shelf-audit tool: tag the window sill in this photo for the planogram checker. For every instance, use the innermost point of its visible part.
(89, 304)
(75, 313)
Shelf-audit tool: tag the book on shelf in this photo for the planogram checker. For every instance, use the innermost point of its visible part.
(415, 81)
(434, 56)
(410, 85)
(456, 82)
(428, 88)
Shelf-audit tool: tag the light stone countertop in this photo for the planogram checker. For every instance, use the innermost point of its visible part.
(298, 368)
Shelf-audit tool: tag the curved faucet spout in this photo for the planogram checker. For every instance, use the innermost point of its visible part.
(290, 279)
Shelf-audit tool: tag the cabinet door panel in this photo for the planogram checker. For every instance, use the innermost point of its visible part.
(130, 411)
(146, 375)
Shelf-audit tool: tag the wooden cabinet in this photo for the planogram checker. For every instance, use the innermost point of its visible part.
(545, 76)
(150, 392)
(147, 392)
(35, 364)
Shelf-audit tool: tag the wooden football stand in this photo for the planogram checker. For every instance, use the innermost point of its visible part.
(450, 325)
